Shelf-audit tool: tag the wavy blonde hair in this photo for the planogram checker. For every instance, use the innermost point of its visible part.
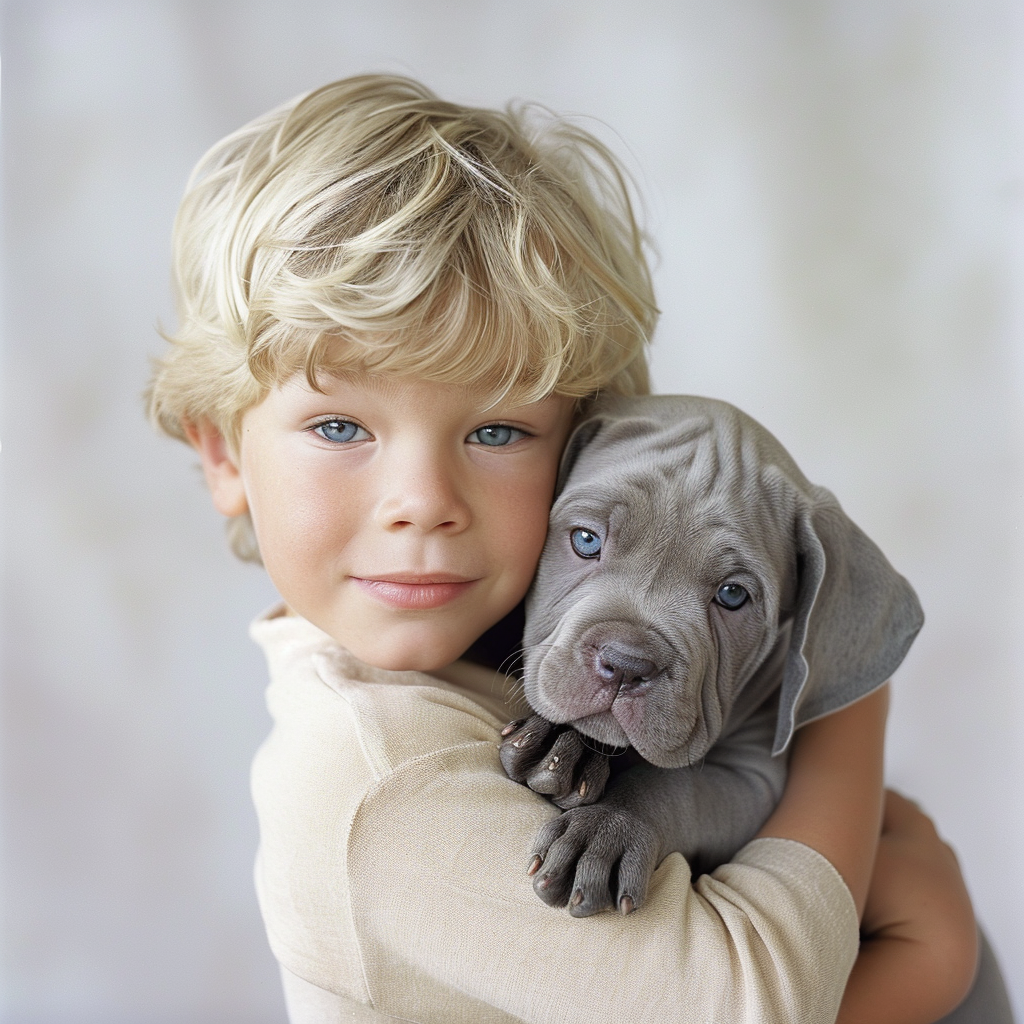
(369, 225)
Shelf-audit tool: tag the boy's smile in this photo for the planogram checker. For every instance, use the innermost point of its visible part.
(401, 590)
(402, 517)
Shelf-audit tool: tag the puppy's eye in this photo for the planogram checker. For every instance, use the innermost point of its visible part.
(731, 596)
(585, 543)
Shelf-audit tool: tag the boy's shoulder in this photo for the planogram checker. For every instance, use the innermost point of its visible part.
(321, 689)
(350, 758)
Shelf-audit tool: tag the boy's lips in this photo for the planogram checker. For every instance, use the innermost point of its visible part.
(413, 591)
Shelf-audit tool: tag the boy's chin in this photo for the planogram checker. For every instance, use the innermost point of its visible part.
(411, 649)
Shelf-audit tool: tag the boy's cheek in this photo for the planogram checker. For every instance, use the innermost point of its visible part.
(525, 539)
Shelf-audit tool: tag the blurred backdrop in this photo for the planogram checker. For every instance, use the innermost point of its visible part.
(835, 190)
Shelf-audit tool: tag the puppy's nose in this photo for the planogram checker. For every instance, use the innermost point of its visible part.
(624, 667)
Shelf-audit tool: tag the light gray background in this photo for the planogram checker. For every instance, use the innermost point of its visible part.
(836, 190)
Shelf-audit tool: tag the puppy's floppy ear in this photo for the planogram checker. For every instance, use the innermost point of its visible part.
(854, 621)
(578, 440)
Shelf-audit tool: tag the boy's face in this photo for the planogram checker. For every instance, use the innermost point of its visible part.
(397, 515)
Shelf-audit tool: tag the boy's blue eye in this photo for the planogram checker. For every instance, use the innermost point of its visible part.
(340, 431)
(731, 596)
(496, 435)
(585, 543)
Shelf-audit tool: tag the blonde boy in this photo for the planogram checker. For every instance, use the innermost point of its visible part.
(390, 309)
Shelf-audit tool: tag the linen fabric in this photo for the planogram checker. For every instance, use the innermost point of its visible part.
(392, 878)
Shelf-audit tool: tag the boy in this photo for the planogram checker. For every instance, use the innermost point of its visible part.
(391, 308)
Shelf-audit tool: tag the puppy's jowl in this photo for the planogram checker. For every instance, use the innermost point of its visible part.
(697, 600)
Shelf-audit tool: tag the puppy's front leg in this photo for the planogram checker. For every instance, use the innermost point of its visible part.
(600, 856)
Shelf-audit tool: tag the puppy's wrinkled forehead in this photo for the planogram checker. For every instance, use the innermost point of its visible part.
(694, 453)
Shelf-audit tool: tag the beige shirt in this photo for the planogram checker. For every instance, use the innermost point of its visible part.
(392, 874)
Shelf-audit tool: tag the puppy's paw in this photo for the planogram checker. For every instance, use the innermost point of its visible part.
(593, 858)
(554, 760)
(524, 743)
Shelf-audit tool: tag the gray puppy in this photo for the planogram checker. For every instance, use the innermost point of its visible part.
(697, 600)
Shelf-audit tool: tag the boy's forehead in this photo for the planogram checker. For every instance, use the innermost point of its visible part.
(482, 394)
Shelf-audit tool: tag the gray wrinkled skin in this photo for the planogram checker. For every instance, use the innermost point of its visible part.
(631, 648)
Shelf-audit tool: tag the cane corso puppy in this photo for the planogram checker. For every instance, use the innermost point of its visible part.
(697, 600)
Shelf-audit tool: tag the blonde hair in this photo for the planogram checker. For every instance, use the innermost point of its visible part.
(369, 225)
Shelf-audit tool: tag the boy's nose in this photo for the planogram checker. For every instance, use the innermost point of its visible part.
(424, 497)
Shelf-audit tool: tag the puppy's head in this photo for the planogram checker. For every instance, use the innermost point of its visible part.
(687, 556)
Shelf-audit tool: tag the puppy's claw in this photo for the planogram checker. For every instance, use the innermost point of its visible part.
(577, 898)
(583, 789)
(626, 905)
(512, 726)
(520, 742)
(534, 865)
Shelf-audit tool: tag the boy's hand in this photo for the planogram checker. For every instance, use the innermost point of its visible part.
(554, 760)
(919, 938)
(914, 866)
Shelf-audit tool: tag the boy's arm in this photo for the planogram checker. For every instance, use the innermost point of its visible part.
(833, 796)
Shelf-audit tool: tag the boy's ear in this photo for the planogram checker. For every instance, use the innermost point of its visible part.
(222, 475)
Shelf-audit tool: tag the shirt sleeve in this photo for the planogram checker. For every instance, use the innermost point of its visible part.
(442, 903)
